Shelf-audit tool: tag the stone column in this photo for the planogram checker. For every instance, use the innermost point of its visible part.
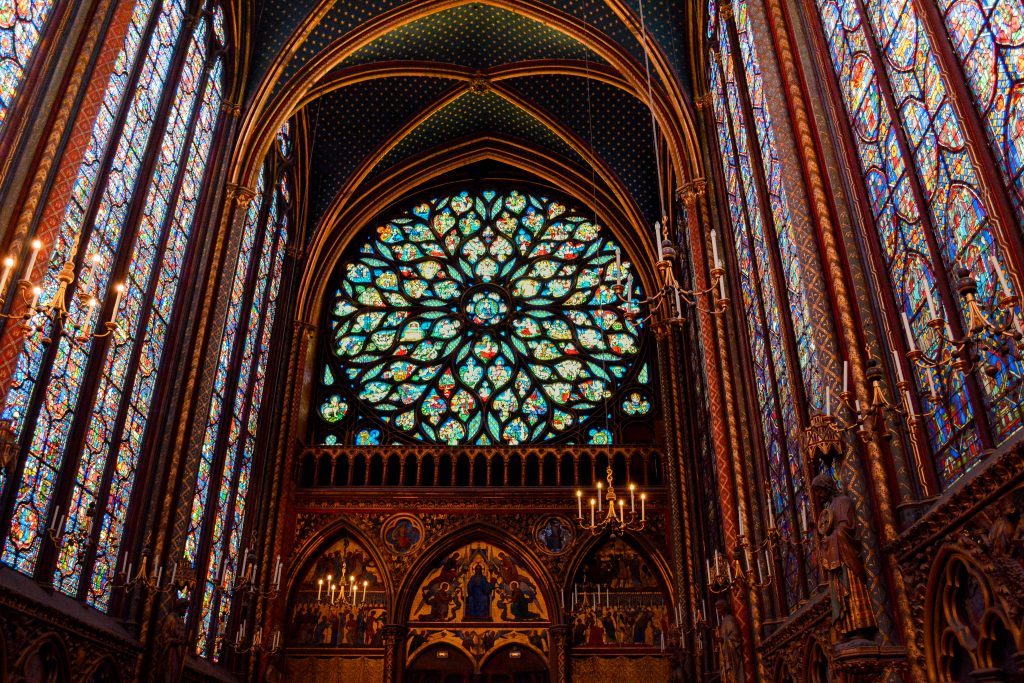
(394, 652)
(561, 642)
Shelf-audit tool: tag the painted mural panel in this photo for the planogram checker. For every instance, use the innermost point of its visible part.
(618, 601)
(340, 603)
(479, 584)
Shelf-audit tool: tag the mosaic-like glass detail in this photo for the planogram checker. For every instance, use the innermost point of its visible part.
(483, 318)
(46, 450)
(955, 211)
(988, 37)
(21, 25)
(779, 425)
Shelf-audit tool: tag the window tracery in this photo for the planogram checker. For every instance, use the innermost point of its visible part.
(21, 27)
(482, 317)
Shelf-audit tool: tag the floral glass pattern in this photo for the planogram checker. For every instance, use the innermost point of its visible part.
(21, 26)
(481, 318)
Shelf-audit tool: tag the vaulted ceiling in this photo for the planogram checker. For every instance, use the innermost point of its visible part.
(381, 85)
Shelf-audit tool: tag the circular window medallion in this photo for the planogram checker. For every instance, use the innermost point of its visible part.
(402, 534)
(486, 305)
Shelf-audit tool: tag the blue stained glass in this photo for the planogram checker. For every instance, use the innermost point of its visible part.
(21, 26)
(46, 450)
(104, 412)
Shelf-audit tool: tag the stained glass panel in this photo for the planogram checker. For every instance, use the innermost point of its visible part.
(948, 179)
(21, 26)
(46, 450)
(773, 426)
(483, 318)
(988, 37)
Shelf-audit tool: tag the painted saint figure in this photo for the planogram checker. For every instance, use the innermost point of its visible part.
(478, 596)
(842, 562)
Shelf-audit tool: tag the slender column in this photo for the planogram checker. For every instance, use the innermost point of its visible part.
(394, 652)
(561, 644)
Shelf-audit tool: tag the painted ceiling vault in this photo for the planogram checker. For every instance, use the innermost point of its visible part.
(401, 80)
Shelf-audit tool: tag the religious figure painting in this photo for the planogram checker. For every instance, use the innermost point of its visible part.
(617, 564)
(402, 534)
(479, 583)
(340, 602)
(621, 625)
(555, 535)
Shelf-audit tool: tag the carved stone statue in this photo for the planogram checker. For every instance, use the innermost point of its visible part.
(730, 644)
(842, 562)
(171, 645)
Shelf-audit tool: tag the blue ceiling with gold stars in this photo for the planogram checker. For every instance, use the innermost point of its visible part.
(350, 128)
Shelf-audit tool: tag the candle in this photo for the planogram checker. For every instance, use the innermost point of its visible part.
(257, 637)
(910, 335)
(643, 511)
(931, 302)
(36, 292)
(319, 588)
(174, 573)
(159, 573)
(999, 274)
(56, 517)
(803, 516)
(618, 263)
(93, 302)
(632, 505)
(365, 585)
(743, 529)
(771, 515)
(931, 381)
(906, 397)
(332, 593)
(721, 287)
(768, 561)
(899, 366)
(657, 240)
(579, 504)
(277, 639)
(622, 511)
(6, 275)
(36, 246)
(714, 248)
(629, 288)
(828, 400)
(591, 512)
(599, 487)
(277, 572)
(707, 563)
(220, 575)
(846, 376)
(128, 574)
(119, 289)
(679, 302)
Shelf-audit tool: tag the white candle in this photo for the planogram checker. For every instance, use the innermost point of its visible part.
(721, 287)
(365, 585)
(579, 504)
(36, 292)
(591, 512)
(319, 588)
(846, 376)
(93, 302)
(657, 240)
(277, 639)
(910, 405)
(277, 572)
(931, 381)
(714, 248)
(910, 335)
(643, 511)
(618, 261)
(174, 572)
(995, 265)
(6, 275)
(771, 515)
(707, 562)
(828, 400)
(36, 246)
(119, 289)
(632, 502)
(599, 487)
(931, 302)
(679, 302)
(622, 511)
(899, 366)
(629, 288)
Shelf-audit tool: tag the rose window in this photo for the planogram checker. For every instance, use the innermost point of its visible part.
(480, 318)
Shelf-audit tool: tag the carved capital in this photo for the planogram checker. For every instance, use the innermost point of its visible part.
(704, 101)
(240, 194)
(231, 108)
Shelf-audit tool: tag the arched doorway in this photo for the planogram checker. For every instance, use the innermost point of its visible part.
(440, 664)
(514, 664)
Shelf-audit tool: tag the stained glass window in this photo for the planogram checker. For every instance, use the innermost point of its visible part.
(988, 37)
(119, 399)
(238, 394)
(956, 217)
(21, 26)
(481, 318)
(737, 129)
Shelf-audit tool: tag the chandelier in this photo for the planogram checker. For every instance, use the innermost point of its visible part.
(615, 518)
